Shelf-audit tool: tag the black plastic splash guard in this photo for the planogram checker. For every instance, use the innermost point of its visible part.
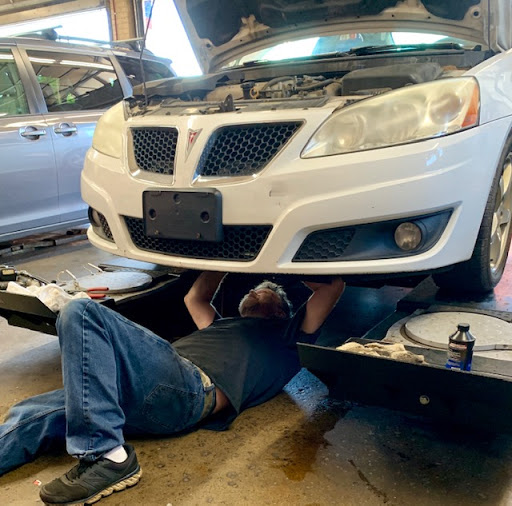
(477, 399)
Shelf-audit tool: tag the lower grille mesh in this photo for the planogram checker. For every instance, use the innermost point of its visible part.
(105, 227)
(241, 242)
(324, 245)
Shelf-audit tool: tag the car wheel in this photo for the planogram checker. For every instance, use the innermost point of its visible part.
(483, 271)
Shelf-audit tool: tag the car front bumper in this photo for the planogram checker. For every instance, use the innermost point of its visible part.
(294, 197)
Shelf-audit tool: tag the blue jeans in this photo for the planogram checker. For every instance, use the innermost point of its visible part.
(119, 378)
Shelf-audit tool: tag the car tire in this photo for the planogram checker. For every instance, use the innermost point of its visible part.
(483, 271)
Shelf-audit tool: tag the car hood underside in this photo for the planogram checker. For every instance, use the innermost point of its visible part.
(221, 30)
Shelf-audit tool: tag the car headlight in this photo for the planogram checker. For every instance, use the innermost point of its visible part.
(410, 114)
(108, 135)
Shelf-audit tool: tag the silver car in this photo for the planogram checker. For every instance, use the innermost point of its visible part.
(51, 96)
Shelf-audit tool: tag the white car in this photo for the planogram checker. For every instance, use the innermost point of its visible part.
(348, 138)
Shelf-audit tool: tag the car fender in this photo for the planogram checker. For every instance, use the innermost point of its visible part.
(494, 77)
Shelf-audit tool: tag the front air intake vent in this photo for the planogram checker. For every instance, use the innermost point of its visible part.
(105, 227)
(240, 243)
(243, 150)
(324, 245)
(154, 149)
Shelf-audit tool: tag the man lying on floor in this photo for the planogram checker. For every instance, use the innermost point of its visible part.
(122, 379)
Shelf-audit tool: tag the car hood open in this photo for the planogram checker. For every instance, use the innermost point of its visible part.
(223, 30)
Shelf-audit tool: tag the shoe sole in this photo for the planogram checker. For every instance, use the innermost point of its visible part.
(117, 487)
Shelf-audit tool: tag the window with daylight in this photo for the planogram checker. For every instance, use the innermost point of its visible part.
(75, 82)
(12, 94)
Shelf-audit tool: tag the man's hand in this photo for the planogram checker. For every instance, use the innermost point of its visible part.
(199, 297)
(320, 304)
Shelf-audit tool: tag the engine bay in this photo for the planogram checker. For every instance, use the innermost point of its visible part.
(310, 82)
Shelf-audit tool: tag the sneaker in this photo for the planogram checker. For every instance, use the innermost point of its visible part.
(88, 482)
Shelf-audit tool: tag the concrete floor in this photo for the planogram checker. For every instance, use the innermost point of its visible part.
(301, 448)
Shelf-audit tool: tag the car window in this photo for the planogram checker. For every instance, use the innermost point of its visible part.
(75, 82)
(152, 69)
(12, 94)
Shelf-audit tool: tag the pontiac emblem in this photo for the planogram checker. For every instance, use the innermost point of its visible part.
(192, 136)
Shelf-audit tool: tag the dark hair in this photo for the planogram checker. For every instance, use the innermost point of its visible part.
(286, 305)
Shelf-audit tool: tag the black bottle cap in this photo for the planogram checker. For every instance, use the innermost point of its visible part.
(463, 327)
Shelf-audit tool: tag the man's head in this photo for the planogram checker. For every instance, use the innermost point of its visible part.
(267, 300)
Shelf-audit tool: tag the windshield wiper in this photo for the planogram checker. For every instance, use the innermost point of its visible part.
(294, 59)
(367, 50)
(359, 51)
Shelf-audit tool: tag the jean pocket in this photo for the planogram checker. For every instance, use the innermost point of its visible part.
(170, 409)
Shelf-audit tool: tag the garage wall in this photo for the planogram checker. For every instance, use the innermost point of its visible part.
(122, 19)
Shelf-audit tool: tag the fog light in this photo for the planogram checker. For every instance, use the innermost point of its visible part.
(94, 217)
(408, 236)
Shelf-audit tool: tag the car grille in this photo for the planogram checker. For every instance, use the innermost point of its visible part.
(154, 149)
(324, 245)
(105, 227)
(243, 150)
(240, 243)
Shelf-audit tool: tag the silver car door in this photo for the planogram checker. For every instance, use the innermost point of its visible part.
(77, 88)
(28, 178)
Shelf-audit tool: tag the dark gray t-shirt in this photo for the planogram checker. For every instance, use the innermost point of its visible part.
(249, 359)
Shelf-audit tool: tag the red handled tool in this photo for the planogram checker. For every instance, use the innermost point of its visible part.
(98, 292)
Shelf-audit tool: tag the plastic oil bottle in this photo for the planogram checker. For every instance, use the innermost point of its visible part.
(460, 348)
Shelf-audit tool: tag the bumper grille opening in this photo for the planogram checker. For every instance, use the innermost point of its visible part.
(243, 150)
(324, 245)
(240, 243)
(154, 149)
(105, 227)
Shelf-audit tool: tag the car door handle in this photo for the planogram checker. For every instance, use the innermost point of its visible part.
(65, 129)
(31, 132)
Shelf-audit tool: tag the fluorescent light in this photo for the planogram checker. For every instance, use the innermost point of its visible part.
(86, 64)
(41, 60)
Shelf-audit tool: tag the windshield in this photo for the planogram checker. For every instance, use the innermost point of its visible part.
(315, 46)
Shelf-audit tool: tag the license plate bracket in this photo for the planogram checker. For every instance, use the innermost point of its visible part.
(183, 214)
